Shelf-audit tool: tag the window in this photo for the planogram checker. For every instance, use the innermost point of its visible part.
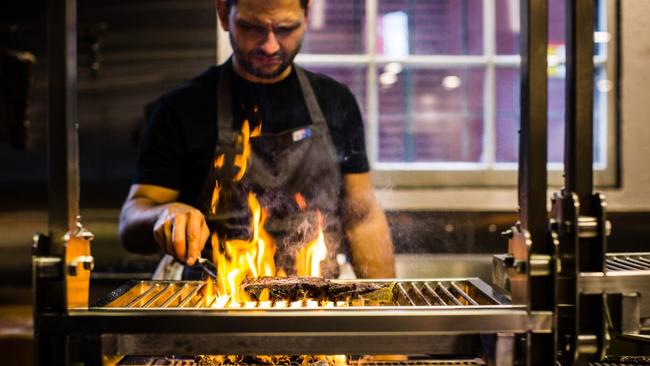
(438, 83)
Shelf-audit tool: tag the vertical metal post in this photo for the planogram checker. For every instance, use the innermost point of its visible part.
(50, 272)
(533, 128)
(532, 246)
(579, 215)
(63, 156)
(578, 148)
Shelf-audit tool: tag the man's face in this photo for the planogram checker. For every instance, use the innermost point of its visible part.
(265, 36)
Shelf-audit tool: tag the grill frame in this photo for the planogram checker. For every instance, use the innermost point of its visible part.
(617, 262)
(617, 278)
(446, 293)
(349, 330)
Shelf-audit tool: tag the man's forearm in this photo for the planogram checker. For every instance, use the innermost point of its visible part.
(136, 225)
(371, 245)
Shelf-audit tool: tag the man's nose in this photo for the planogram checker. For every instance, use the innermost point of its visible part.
(270, 44)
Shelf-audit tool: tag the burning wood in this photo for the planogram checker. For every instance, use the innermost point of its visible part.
(269, 360)
(314, 288)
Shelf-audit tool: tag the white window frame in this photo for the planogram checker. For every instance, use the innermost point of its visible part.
(487, 173)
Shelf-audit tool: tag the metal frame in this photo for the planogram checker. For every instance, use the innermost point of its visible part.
(531, 246)
(579, 217)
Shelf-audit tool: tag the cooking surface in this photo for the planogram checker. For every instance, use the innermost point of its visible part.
(628, 262)
(439, 293)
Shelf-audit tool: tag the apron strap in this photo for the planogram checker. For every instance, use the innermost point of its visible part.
(315, 113)
(224, 106)
(224, 103)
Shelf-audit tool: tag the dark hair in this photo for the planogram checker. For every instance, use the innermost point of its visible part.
(303, 3)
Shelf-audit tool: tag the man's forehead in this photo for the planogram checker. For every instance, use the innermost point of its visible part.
(269, 10)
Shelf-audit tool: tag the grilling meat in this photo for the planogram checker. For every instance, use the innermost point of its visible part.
(316, 288)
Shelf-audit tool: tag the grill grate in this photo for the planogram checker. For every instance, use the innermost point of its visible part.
(628, 262)
(191, 295)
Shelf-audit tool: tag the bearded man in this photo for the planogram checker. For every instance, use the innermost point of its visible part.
(308, 157)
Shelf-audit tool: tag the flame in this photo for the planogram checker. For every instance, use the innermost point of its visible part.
(241, 160)
(300, 200)
(311, 255)
(238, 259)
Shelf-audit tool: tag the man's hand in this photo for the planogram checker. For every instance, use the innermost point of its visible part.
(181, 231)
(152, 218)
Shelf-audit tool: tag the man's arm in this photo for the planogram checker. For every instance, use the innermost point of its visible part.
(151, 218)
(367, 229)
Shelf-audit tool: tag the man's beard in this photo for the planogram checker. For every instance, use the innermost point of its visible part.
(244, 60)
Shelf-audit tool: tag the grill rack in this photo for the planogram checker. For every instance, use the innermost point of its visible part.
(417, 294)
(132, 319)
(627, 262)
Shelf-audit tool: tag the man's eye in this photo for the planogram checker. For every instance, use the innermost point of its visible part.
(252, 28)
(285, 30)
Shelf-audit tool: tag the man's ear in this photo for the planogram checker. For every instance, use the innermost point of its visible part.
(223, 12)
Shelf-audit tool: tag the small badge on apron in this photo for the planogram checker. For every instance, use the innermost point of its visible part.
(301, 134)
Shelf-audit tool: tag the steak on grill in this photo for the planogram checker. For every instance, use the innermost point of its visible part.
(297, 288)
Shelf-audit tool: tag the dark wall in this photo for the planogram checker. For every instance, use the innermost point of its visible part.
(129, 53)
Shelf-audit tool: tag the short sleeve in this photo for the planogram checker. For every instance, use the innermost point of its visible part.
(349, 136)
(161, 149)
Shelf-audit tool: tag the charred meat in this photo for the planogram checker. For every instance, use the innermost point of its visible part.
(316, 288)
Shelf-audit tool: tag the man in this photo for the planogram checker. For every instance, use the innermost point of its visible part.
(311, 145)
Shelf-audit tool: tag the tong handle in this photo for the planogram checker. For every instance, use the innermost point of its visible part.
(208, 267)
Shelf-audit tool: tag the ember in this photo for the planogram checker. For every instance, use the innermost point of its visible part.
(275, 360)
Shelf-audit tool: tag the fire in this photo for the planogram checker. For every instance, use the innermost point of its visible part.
(238, 259)
(311, 255)
(241, 160)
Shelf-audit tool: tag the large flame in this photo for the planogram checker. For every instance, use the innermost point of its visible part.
(241, 160)
(310, 256)
(238, 259)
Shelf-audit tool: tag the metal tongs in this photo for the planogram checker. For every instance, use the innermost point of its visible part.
(207, 266)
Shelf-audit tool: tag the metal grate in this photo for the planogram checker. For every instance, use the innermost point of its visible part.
(628, 262)
(623, 361)
(192, 295)
(190, 361)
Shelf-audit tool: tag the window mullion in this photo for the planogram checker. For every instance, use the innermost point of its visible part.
(489, 92)
(372, 91)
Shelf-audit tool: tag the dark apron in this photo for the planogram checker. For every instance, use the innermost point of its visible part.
(299, 161)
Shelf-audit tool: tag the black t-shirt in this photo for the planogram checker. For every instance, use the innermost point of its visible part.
(181, 135)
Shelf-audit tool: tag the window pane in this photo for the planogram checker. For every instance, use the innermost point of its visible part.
(354, 77)
(425, 27)
(335, 27)
(430, 115)
(507, 83)
(507, 25)
(507, 115)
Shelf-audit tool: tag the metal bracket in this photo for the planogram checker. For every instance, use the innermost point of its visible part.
(87, 262)
(47, 267)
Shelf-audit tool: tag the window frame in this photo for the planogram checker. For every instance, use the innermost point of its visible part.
(487, 173)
